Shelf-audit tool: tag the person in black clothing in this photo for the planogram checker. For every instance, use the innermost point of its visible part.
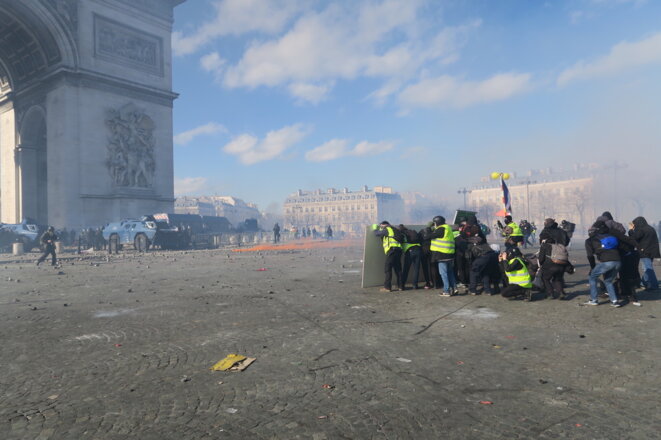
(48, 240)
(552, 270)
(470, 234)
(276, 233)
(429, 270)
(551, 230)
(484, 267)
(648, 245)
(605, 244)
(393, 250)
(412, 255)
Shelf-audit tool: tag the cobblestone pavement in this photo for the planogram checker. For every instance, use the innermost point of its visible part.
(121, 349)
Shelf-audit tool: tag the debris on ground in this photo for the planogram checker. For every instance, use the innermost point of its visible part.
(486, 402)
(233, 362)
(231, 410)
(404, 360)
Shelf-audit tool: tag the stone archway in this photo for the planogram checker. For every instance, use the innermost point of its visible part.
(32, 163)
(85, 98)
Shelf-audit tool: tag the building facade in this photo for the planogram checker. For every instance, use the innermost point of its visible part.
(232, 208)
(344, 210)
(85, 110)
(571, 199)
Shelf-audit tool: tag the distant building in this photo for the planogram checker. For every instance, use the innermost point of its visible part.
(571, 199)
(235, 210)
(346, 211)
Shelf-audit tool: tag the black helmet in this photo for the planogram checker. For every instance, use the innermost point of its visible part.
(439, 220)
(51, 229)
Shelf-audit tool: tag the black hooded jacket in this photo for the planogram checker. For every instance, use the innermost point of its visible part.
(553, 231)
(593, 244)
(646, 237)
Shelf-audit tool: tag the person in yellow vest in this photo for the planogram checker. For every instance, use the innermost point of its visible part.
(512, 233)
(442, 252)
(518, 276)
(393, 250)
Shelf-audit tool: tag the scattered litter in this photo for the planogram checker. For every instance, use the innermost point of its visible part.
(262, 269)
(486, 402)
(327, 387)
(220, 382)
(581, 336)
(231, 410)
(496, 346)
(463, 325)
(185, 379)
(53, 397)
(404, 360)
(460, 363)
(233, 362)
(118, 345)
(510, 337)
(542, 381)
(578, 425)
(322, 417)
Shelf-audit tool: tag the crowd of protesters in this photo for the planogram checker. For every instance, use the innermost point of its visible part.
(459, 259)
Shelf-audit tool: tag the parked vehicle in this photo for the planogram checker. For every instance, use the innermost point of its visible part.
(23, 232)
(142, 234)
(197, 231)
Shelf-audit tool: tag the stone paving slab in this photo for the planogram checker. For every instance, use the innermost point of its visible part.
(121, 349)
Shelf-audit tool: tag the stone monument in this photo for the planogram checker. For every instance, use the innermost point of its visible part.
(85, 110)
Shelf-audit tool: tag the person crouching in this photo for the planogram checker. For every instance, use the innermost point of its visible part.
(518, 276)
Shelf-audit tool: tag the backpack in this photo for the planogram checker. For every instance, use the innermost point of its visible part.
(398, 236)
(559, 254)
(609, 242)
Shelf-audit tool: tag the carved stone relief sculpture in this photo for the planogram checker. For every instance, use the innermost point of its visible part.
(130, 159)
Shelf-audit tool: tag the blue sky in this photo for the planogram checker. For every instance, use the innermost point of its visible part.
(430, 96)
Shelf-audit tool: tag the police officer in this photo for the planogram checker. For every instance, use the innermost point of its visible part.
(48, 240)
(442, 252)
(393, 251)
(512, 232)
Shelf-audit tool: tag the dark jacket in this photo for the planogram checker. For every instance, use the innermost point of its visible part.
(554, 232)
(646, 237)
(48, 238)
(593, 244)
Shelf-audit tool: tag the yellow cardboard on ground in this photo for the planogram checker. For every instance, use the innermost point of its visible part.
(228, 362)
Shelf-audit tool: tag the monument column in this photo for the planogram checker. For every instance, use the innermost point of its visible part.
(9, 178)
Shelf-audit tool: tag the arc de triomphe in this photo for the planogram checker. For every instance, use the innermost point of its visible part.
(85, 110)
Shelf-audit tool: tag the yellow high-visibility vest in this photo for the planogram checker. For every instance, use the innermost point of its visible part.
(516, 230)
(444, 245)
(519, 277)
(389, 241)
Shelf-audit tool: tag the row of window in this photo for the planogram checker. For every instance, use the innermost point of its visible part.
(330, 199)
(328, 209)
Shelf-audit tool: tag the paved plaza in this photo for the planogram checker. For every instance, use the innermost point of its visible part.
(121, 347)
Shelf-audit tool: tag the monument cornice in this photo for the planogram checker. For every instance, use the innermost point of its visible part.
(94, 80)
(128, 196)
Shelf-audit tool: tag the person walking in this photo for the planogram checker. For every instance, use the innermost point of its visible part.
(442, 252)
(48, 240)
(391, 240)
(648, 246)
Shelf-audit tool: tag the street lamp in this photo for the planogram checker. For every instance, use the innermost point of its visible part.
(464, 191)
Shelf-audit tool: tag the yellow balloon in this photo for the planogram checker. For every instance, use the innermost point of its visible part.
(495, 175)
(506, 176)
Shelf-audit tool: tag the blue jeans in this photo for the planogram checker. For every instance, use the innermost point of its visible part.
(609, 270)
(446, 268)
(649, 277)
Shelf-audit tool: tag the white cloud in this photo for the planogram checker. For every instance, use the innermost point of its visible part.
(622, 57)
(448, 91)
(187, 137)
(237, 17)
(309, 92)
(189, 185)
(212, 62)
(337, 148)
(385, 39)
(250, 150)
